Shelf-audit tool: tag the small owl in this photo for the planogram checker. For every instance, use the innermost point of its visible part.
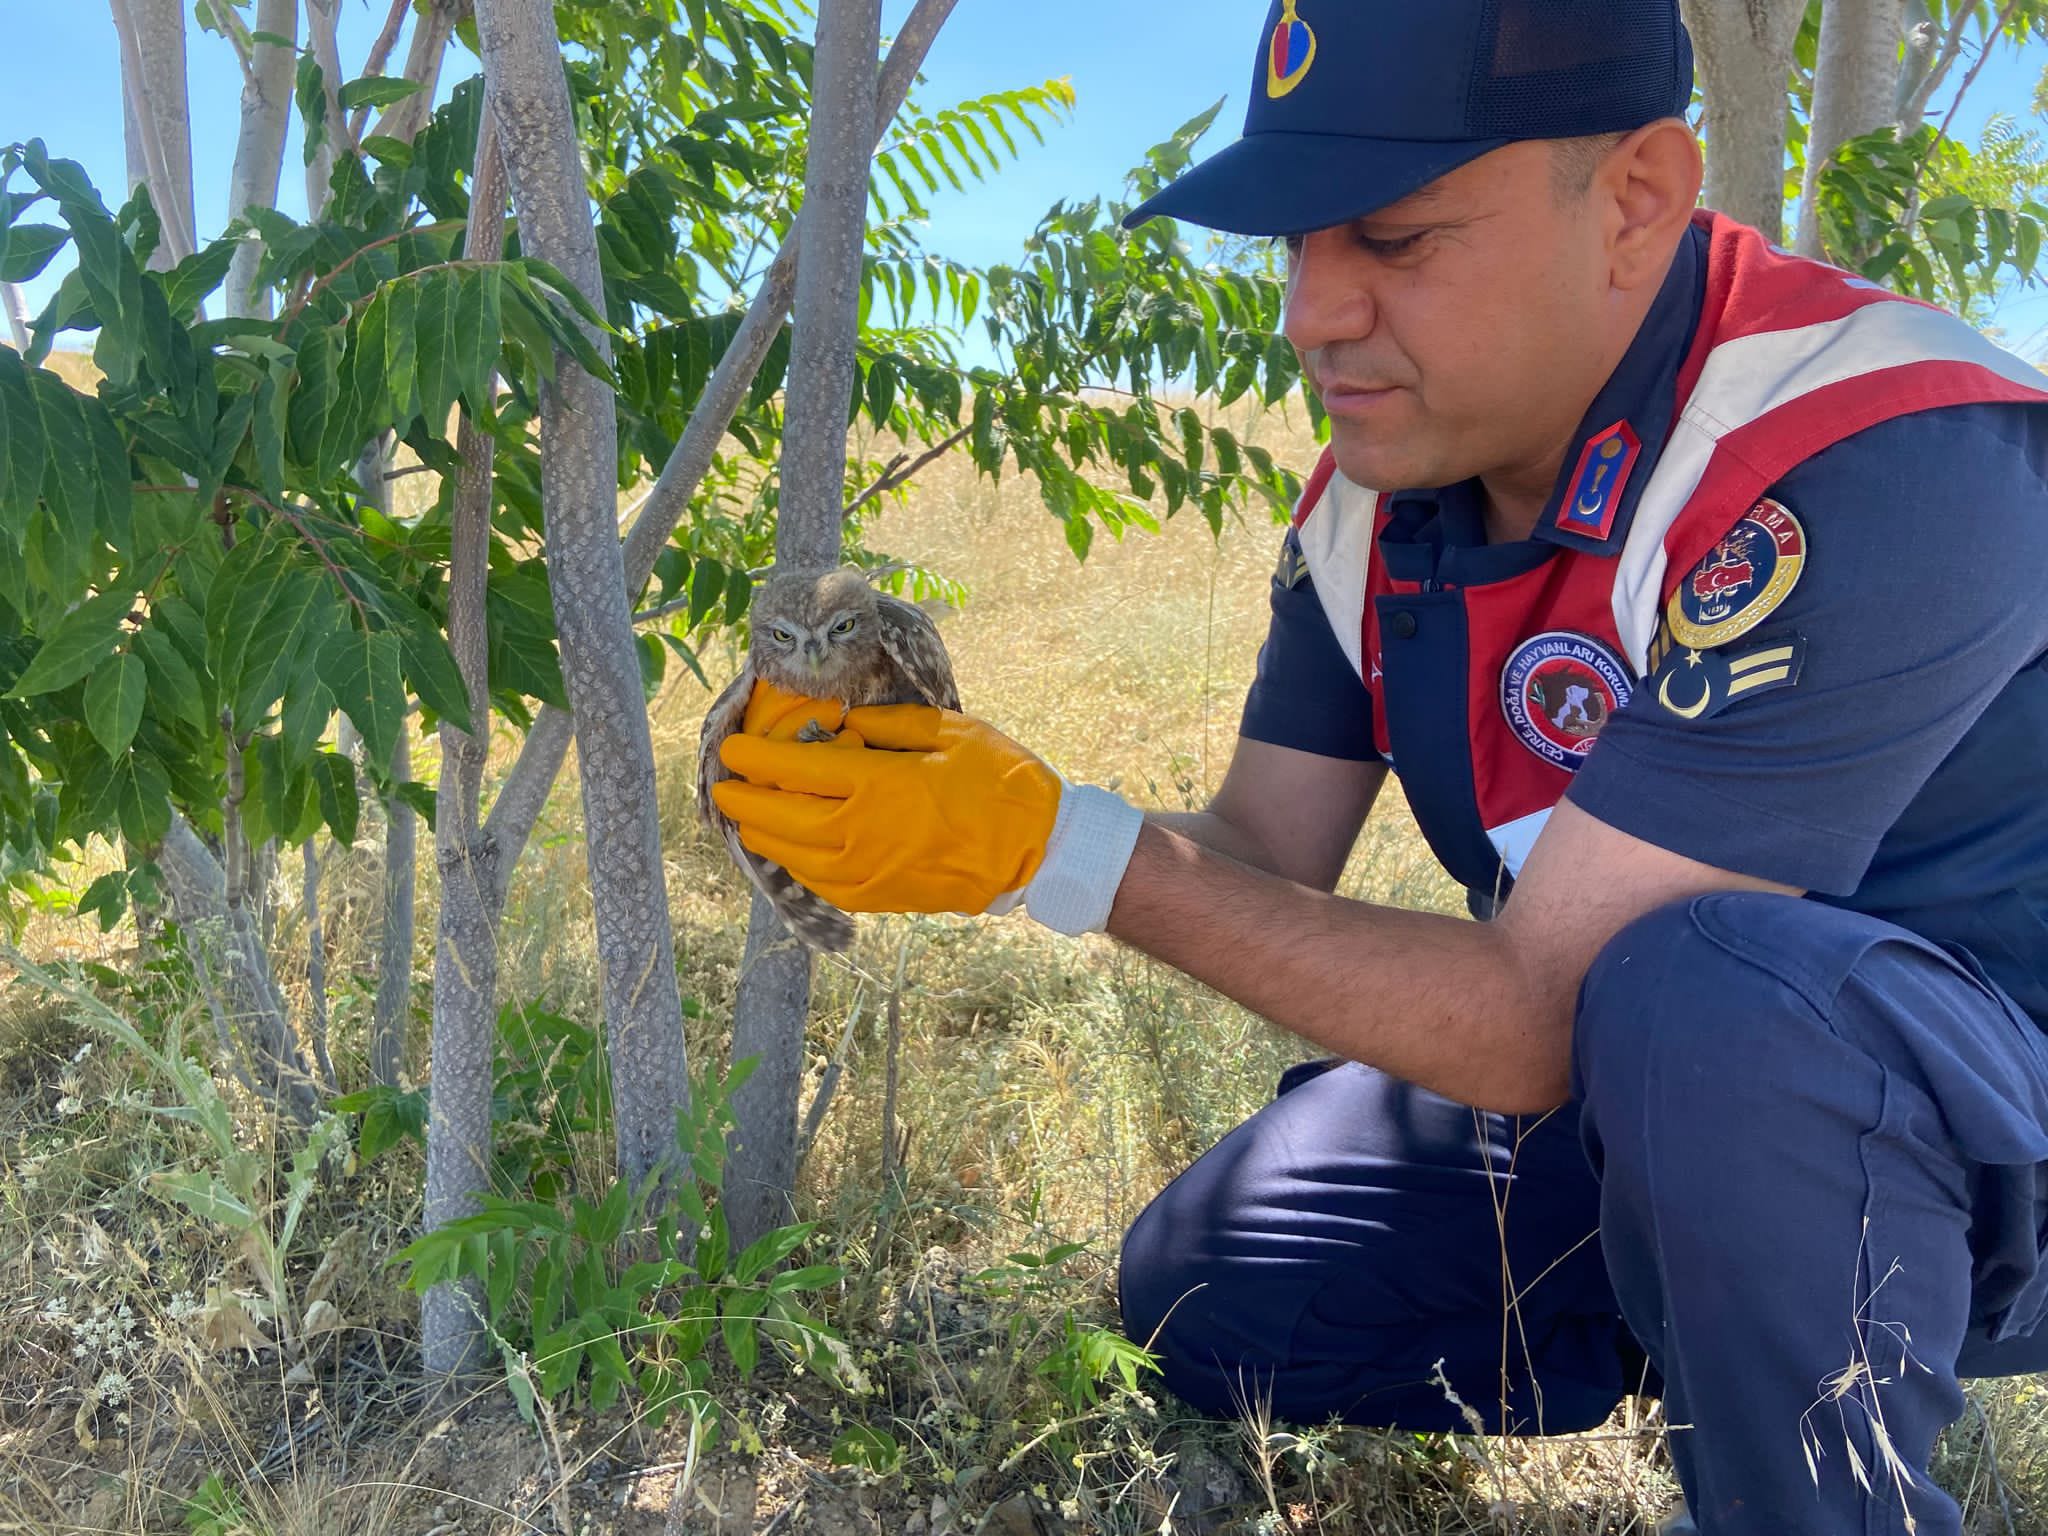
(825, 635)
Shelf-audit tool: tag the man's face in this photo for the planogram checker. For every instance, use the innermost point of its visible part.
(1459, 332)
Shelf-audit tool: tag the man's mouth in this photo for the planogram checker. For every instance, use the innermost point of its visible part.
(1346, 396)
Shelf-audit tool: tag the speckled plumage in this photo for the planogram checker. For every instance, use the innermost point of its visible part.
(825, 635)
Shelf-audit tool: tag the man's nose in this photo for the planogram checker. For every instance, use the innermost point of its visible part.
(1329, 293)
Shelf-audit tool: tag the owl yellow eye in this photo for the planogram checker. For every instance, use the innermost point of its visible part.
(843, 627)
(780, 635)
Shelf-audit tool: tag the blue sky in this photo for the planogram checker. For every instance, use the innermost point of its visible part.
(1139, 67)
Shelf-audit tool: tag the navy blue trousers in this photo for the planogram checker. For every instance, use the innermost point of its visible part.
(1801, 1190)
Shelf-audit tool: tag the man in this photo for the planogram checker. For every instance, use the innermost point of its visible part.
(1697, 593)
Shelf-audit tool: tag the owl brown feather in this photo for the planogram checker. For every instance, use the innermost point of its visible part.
(825, 635)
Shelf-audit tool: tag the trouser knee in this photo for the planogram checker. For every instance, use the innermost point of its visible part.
(1696, 989)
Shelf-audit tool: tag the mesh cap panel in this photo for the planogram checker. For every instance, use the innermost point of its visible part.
(1563, 68)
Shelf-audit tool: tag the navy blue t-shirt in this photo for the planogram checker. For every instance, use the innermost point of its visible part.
(1906, 773)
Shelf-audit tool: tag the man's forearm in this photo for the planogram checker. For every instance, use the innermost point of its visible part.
(1435, 1000)
(1207, 830)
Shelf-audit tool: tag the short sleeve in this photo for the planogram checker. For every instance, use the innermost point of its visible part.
(1307, 695)
(1920, 599)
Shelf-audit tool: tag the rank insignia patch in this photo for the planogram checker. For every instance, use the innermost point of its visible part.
(1698, 685)
(1291, 54)
(1743, 581)
(1594, 501)
(1558, 691)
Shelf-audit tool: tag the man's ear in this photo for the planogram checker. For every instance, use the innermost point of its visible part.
(1651, 183)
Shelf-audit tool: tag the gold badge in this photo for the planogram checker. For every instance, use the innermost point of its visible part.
(1743, 580)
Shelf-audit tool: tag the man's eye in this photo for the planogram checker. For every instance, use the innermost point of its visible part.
(1387, 249)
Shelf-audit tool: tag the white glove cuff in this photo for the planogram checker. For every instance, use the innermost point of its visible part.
(1092, 839)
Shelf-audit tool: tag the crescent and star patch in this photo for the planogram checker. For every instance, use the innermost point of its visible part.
(1558, 691)
(1698, 685)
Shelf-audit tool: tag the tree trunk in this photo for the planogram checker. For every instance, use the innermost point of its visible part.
(391, 1015)
(234, 971)
(1916, 64)
(322, 17)
(466, 947)
(316, 967)
(593, 619)
(1745, 64)
(159, 125)
(775, 985)
(525, 792)
(15, 302)
(1855, 91)
(259, 149)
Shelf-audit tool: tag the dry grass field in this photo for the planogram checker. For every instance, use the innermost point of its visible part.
(1048, 1090)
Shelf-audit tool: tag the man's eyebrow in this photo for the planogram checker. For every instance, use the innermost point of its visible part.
(1430, 205)
(1429, 192)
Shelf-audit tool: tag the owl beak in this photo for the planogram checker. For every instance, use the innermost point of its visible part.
(815, 655)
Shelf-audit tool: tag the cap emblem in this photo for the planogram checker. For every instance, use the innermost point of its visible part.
(1292, 53)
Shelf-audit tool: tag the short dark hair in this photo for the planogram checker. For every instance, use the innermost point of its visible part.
(1574, 163)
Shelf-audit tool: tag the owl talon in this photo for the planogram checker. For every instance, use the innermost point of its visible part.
(814, 732)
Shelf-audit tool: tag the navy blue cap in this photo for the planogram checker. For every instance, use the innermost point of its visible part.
(1357, 103)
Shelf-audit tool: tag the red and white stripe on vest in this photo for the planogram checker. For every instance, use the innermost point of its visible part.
(1790, 357)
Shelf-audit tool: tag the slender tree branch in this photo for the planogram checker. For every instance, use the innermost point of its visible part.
(380, 50)
(828, 1085)
(666, 610)
(321, 43)
(902, 469)
(403, 119)
(314, 290)
(899, 471)
(1983, 57)
(230, 25)
(1915, 106)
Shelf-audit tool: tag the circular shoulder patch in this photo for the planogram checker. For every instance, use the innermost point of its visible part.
(1558, 690)
(1743, 580)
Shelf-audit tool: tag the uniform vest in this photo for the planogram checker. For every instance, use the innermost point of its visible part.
(1487, 697)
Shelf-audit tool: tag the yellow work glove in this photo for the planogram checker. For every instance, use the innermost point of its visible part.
(775, 715)
(927, 811)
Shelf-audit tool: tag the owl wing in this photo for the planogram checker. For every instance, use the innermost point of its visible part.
(912, 642)
(725, 717)
(815, 921)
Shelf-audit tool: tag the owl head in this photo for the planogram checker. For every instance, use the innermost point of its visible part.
(815, 631)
